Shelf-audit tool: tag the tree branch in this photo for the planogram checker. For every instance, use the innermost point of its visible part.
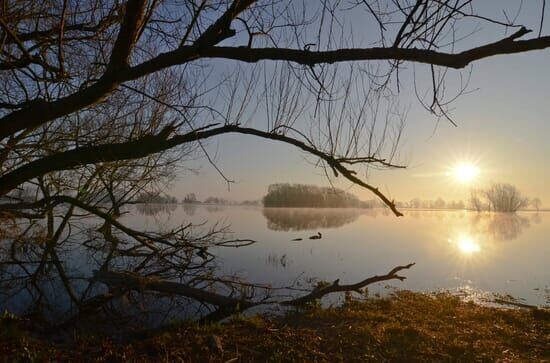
(132, 281)
(41, 111)
(229, 305)
(460, 60)
(321, 291)
(152, 144)
(127, 36)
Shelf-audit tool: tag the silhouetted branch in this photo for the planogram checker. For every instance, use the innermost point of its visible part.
(127, 35)
(457, 60)
(136, 282)
(227, 305)
(151, 144)
(42, 112)
(323, 290)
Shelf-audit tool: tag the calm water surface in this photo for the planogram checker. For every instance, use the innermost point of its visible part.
(473, 255)
(466, 252)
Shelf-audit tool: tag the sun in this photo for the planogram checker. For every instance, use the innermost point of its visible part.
(465, 172)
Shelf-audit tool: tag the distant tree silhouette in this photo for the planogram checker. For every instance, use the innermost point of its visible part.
(190, 198)
(505, 198)
(439, 203)
(300, 195)
(476, 202)
(251, 202)
(155, 198)
(499, 197)
(216, 200)
(456, 204)
(536, 203)
(415, 203)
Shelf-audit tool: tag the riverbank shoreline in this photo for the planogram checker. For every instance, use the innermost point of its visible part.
(406, 326)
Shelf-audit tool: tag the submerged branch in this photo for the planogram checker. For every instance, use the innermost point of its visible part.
(321, 291)
(227, 305)
(136, 282)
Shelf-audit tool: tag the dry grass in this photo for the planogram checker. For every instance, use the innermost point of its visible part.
(406, 327)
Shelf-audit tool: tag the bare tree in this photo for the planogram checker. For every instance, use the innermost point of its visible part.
(499, 197)
(536, 203)
(505, 198)
(190, 198)
(475, 200)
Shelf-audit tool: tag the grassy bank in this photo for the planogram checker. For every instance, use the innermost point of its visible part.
(405, 327)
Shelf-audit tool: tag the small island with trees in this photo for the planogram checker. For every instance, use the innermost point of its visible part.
(309, 196)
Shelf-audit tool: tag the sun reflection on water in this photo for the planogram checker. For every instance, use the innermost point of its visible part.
(468, 246)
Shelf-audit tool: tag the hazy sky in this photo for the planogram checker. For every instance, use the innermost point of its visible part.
(503, 128)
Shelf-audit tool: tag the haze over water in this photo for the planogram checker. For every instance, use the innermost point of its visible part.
(470, 253)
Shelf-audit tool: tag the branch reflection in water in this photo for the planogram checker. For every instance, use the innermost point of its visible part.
(154, 209)
(52, 275)
(54, 279)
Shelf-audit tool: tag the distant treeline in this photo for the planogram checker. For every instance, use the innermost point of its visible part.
(156, 198)
(438, 203)
(311, 196)
(498, 197)
(191, 198)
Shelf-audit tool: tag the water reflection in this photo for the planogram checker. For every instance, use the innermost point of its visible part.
(190, 209)
(298, 219)
(484, 230)
(154, 209)
(214, 208)
(502, 226)
(467, 246)
(53, 279)
(450, 248)
(276, 260)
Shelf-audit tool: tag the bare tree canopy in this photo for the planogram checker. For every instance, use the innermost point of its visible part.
(499, 197)
(67, 64)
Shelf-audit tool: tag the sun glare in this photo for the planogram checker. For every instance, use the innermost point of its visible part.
(467, 246)
(465, 173)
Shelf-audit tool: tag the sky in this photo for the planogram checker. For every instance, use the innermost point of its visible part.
(503, 128)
